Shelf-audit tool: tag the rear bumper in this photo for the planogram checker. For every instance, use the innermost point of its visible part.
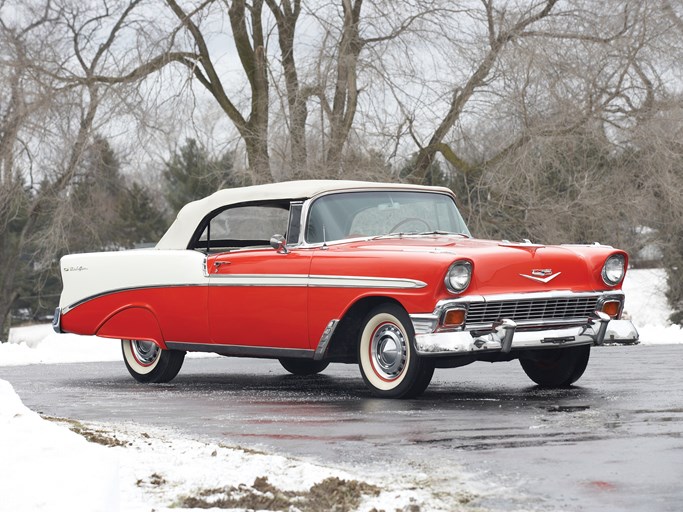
(507, 337)
(57, 321)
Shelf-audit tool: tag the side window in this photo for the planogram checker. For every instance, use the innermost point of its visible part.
(294, 227)
(243, 226)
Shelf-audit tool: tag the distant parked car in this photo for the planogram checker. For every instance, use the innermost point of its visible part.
(385, 276)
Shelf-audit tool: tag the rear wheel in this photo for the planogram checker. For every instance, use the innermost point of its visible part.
(302, 366)
(389, 364)
(146, 362)
(557, 368)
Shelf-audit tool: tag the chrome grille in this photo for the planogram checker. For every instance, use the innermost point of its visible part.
(531, 309)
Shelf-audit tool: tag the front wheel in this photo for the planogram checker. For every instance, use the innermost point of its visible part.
(557, 368)
(389, 364)
(146, 362)
(302, 366)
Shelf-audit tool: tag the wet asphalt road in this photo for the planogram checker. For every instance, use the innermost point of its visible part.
(614, 442)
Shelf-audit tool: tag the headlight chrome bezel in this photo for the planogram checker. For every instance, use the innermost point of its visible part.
(614, 270)
(464, 278)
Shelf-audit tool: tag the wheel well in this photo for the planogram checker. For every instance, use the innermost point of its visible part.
(135, 323)
(342, 347)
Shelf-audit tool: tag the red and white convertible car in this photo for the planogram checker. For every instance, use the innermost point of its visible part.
(312, 272)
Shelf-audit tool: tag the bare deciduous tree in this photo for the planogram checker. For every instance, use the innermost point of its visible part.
(42, 45)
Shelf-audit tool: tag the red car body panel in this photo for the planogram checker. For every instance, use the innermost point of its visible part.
(266, 315)
(172, 313)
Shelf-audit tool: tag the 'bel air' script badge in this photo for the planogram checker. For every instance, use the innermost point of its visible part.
(542, 275)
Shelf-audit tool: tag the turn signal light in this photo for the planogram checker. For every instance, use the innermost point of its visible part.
(611, 307)
(454, 318)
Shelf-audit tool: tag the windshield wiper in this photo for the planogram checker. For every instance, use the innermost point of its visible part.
(397, 234)
(419, 233)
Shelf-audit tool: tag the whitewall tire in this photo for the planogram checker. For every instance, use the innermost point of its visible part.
(386, 354)
(146, 362)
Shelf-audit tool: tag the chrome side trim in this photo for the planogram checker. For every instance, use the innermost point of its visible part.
(68, 308)
(363, 282)
(325, 340)
(289, 280)
(241, 350)
(315, 281)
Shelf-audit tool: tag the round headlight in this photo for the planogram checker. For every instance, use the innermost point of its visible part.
(613, 270)
(458, 276)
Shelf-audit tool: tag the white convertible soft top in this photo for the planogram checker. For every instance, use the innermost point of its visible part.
(179, 233)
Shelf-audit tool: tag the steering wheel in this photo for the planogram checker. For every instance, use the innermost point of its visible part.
(410, 219)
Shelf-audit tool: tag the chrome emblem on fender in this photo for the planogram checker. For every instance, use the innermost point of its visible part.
(79, 268)
(542, 275)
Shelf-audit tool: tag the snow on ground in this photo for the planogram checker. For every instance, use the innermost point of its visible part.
(647, 307)
(36, 344)
(52, 466)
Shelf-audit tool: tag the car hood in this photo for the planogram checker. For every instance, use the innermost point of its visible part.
(499, 266)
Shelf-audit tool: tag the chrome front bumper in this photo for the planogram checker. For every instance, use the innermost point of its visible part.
(506, 337)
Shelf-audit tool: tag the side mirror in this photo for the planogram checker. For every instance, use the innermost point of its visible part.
(279, 243)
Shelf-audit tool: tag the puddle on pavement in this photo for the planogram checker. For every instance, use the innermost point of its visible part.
(567, 408)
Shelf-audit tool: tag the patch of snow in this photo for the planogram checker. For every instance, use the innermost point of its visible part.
(647, 307)
(36, 344)
(39, 344)
(47, 467)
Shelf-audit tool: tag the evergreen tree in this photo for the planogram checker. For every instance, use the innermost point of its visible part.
(192, 173)
(140, 221)
(105, 211)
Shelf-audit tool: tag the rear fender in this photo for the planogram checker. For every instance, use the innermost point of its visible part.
(134, 323)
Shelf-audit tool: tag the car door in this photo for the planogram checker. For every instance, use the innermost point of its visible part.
(257, 295)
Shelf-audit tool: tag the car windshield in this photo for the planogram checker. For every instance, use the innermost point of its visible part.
(379, 213)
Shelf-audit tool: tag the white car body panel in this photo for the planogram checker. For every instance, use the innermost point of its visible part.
(90, 275)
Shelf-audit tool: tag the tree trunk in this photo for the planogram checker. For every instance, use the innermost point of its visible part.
(286, 18)
(6, 303)
(257, 154)
(346, 88)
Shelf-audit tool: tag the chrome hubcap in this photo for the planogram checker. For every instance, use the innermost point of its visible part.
(388, 351)
(145, 352)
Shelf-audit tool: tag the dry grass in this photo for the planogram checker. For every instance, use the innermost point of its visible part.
(332, 494)
(92, 435)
